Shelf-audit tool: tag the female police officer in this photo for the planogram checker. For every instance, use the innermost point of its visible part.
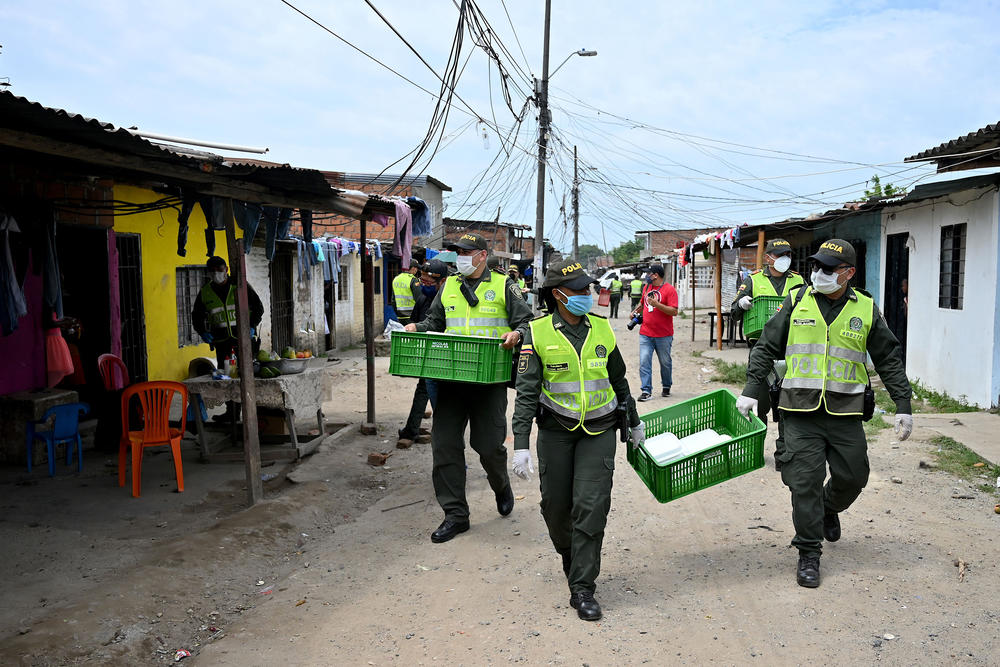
(571, 376)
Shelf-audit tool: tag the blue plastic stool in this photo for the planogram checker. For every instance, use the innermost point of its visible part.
(65, 428)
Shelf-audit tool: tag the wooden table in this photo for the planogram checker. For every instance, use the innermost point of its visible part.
(290, 393)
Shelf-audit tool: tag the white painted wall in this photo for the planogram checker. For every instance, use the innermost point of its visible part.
(951, 351)
(259, 277)
(345, 309)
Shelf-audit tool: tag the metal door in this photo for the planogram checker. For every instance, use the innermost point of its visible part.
(133, 316)
(282, 306)
(897, 273)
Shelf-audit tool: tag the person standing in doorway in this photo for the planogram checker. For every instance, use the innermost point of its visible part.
(825, 334)
(406, 291)
(775, 279)
(571, 378)
(656, 334)
(477, 303)
(616, 297)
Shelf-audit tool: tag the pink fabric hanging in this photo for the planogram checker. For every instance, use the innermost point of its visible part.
(404, 232)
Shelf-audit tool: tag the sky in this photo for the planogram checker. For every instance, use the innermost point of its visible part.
(693, 114)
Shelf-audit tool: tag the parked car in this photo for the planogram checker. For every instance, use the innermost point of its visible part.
(610, 274)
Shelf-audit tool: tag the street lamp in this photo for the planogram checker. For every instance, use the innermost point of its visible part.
(544, 119)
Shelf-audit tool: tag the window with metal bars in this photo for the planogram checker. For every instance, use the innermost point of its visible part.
(951, 280)
(190, 280)
(344, 284)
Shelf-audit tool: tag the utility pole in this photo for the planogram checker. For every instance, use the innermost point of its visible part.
(542, 99)
(576, 209)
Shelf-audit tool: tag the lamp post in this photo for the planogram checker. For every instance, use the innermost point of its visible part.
(544, 120)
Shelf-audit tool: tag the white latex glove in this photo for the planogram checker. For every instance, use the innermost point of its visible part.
(637, 435)
(522, 463)
(904, 426)
(745, 404)
(745, 303)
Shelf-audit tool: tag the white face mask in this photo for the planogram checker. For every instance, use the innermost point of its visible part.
(219, 277)
(465, 264)
(782, 263)
(825, 284)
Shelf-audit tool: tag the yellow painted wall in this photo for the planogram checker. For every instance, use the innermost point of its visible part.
(158, 230)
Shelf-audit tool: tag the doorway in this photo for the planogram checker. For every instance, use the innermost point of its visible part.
(133, 318)
(282, 304)
(897, 273)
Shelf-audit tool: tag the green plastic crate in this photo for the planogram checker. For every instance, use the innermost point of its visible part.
(763, 309)
(449, 357)
(743, 453)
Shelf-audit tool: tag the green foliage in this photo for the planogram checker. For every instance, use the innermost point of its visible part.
(729, 373)
(941, 402)
(696, 353)
(878, 190)
(959, 460)
(589, 251)
(876, 424)
(627, 252)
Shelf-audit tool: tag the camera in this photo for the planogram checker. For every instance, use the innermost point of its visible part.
(634, 321)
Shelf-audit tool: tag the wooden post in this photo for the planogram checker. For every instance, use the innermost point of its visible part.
(369, 427)
(694, 308)
(244, 360)
(760, 249)
(718, 293)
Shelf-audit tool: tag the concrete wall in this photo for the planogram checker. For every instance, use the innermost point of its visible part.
(259, 277)
(953, 351)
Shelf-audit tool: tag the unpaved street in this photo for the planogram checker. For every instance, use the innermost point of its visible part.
(349, 576)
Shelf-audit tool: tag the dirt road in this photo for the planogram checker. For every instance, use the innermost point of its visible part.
(349, 575)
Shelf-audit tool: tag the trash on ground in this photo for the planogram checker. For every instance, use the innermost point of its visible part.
(181, 654)
(962, 568)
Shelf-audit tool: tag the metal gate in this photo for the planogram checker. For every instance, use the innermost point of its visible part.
(133, 316)
(282, 332)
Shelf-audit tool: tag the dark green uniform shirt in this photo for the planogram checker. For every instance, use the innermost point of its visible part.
(529, 386)
(882, 346)
(746, 289)
(518, 311)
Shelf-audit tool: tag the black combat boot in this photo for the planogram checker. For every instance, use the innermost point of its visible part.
(586, 606)
(808, 571)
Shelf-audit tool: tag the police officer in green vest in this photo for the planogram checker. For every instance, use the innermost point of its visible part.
(775, 279)
(480, 302)
(635, 291)
(571, 378)
(405, 290)
(616, 297)
(825, 333)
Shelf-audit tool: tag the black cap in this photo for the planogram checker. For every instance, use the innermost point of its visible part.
(414, 264)
(657, 269)
(778, 247)
(215, 261)
(469, 241)
(436, 268)
(567, 273)
(835, 252)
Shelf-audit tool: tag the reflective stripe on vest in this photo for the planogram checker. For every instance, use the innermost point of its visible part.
(488, 318)
(636, 287)
(826, 365)
(402, 292)
(575, 386)
(220, 315)
(762, 285)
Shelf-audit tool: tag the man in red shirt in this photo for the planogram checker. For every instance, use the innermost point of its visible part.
(658, 306)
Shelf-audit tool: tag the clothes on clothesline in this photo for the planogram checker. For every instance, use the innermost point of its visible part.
(12, 302)
(421, 216)
(403, 241)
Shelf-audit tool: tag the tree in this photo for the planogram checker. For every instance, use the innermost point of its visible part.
(588, 251)
(627, 252)
(878, 190)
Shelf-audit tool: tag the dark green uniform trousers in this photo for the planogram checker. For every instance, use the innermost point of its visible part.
(764, 409)
(813, 440)
(575, 471)
(484, 408)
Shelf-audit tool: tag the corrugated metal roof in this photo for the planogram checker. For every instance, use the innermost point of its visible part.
(985, 137)
(418, 181)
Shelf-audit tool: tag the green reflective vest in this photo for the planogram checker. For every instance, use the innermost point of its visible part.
(636, 287)
(220, 315)
(521, 283)
(487, 318)
(762, 285)
(616, 286)
(825, 365)
(403, 294)
(575, 386)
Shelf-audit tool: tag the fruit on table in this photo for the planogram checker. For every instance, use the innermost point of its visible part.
(263, 355)
(288, 353)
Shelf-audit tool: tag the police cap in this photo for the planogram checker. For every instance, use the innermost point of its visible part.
(835, 252)
(567, 273)
(778, 247)
(469, 241)
(435, 269)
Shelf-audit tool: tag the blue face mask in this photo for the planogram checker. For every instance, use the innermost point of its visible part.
(429, 290)
(579, 304)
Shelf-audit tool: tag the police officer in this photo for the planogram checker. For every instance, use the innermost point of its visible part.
(477, 303)
(405, 291)
(616, 297)
(635, 291)
(571, 377)
(775, 279)
(825, 333)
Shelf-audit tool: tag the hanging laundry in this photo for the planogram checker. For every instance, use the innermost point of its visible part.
(247, 216)
(421, 216)
(307, 224)
(318, 247)
(12, 303)
(404, 232)
(51, 280)
(58, 361)
(211, 207)
(276, 223)
(381, 218)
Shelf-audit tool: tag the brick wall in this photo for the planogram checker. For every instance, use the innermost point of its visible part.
(71, 192)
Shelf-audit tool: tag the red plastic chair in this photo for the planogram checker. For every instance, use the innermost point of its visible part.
(113, 372)
(155, 398)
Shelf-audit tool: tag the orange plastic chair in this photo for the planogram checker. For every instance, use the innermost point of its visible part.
(155, 398)
(114, 374)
